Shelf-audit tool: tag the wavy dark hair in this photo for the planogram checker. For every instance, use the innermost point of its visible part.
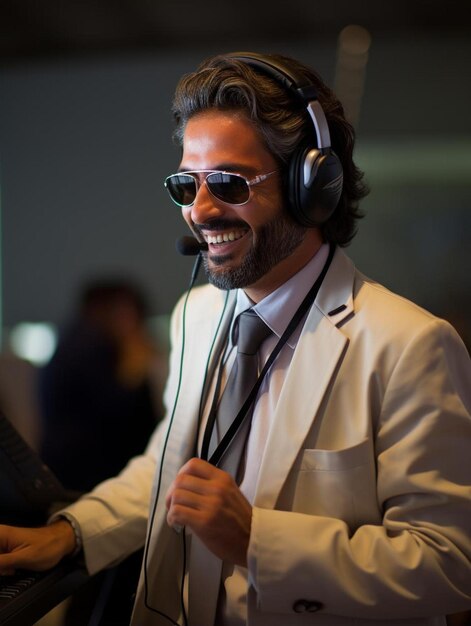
(226, 83)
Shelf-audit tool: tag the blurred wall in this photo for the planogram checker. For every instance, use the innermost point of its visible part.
(85, 146)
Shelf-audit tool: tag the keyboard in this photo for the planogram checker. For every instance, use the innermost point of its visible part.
(29, 493)
(26, 596)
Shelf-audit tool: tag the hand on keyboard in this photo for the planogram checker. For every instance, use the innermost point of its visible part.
(34, 548)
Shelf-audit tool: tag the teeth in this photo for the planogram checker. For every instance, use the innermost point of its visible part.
(231, 236)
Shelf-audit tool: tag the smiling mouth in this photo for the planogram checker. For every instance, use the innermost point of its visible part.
(225, 237)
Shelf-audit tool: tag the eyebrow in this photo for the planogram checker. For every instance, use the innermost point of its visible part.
(244, 170)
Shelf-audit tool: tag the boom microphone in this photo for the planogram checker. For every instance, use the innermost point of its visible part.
(190, 246)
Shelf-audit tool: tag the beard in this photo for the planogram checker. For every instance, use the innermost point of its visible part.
(274, 241)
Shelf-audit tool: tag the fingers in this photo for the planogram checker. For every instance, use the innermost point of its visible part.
(191, 476)
(12, 561)
(34, 548)
(201, 469)
(12, 557)
(208, 501)
(7, 565)
(196, 481)
(190, 484)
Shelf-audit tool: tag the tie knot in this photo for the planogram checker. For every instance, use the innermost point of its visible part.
(252, 331)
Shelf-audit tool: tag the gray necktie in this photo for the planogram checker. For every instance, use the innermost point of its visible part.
(205, 569)
(252, 332)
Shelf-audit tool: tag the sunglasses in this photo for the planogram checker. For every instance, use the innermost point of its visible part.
(225, 186)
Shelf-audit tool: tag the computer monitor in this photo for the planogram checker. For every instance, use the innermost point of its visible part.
(29, 490)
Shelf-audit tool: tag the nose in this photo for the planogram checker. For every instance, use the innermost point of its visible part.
(205, 207)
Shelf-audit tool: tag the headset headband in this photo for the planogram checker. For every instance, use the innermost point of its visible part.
(298, 85)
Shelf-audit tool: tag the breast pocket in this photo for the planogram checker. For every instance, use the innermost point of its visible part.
(337, 483)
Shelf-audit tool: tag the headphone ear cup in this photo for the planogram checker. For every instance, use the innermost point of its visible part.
(315, 183)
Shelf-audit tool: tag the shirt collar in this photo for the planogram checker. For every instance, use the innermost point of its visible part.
(277, 309)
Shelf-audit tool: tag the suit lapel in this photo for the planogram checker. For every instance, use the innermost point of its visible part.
(205, 327)
(206, 330)
(316, 357)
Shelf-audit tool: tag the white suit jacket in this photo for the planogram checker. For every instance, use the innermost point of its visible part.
(362, 512)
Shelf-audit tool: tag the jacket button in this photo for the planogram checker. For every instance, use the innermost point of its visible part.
(307, 606)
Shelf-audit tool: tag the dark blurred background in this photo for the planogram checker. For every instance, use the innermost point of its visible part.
(85, 142)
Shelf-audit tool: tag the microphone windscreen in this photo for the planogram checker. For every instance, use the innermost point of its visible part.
(190, 246)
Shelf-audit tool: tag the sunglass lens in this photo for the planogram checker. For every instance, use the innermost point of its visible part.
(229, 188)
(182, 189)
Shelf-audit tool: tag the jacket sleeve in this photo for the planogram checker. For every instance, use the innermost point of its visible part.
(417, 561)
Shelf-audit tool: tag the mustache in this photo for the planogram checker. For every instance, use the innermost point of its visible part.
(220, 224)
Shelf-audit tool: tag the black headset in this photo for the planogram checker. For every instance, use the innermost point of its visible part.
(315, 175)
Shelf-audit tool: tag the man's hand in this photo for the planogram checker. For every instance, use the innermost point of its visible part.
(35, 548)
(208, 501)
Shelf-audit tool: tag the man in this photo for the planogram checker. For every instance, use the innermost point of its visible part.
(349, 500)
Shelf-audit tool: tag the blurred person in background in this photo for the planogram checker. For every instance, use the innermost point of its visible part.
(100, 395)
